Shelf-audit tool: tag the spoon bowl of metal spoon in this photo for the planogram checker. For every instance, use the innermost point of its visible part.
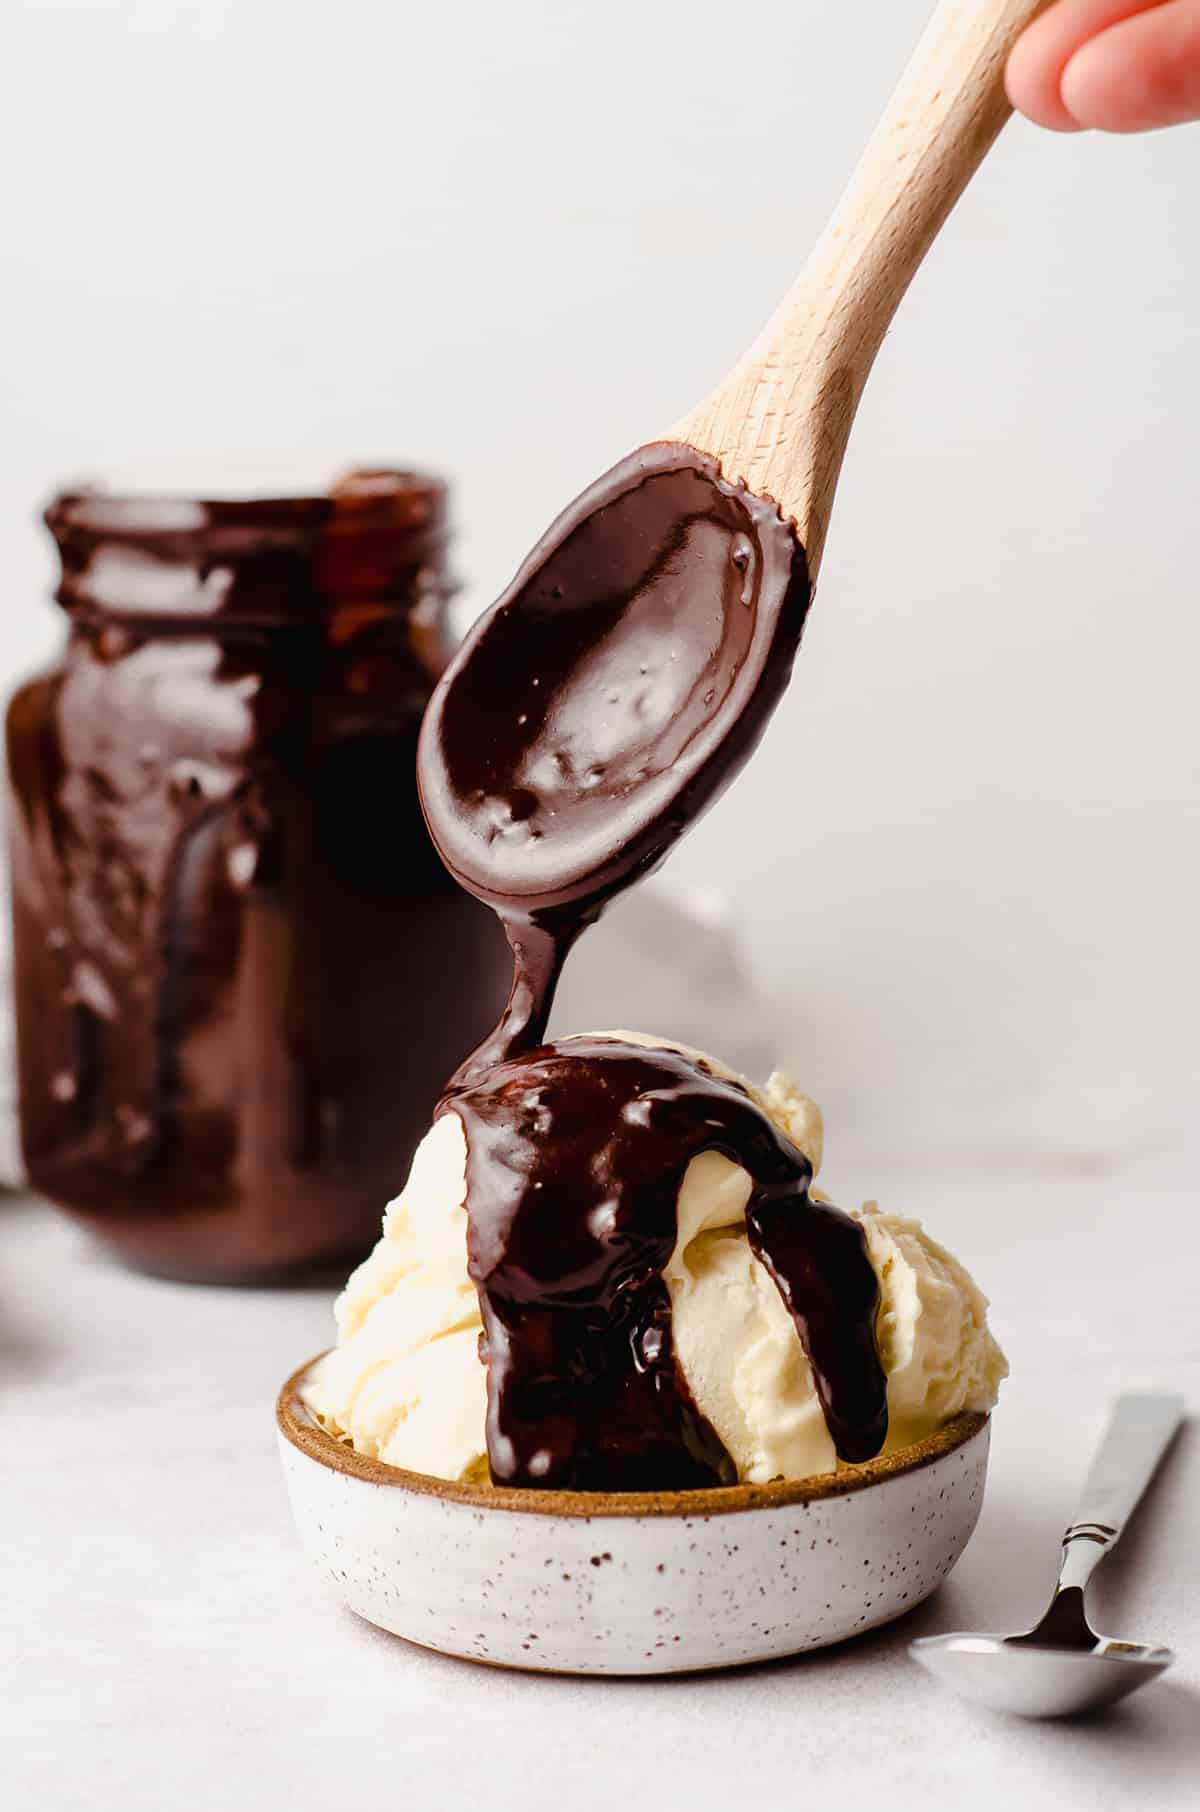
(1062, 1667)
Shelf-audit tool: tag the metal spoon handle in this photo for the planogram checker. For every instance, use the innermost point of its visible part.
(1139, 1432)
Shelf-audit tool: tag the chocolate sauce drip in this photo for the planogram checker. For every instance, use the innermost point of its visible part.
(576, 1155)
(604, 702)
(819, 1262)
(606, 699)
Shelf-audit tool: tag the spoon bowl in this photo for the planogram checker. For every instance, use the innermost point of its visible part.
(616, 686)
(1012, 1675)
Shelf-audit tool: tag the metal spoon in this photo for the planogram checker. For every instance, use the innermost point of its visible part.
(1062, 1666)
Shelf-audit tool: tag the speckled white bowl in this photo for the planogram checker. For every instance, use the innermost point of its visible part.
(637, 1583)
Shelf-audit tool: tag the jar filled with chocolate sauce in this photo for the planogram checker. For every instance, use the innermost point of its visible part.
(242, 975)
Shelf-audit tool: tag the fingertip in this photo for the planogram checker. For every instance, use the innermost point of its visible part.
(1140, 75)
(1032, 79)
(1097, 90)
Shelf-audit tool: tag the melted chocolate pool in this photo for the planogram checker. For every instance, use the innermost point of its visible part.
(608, 697)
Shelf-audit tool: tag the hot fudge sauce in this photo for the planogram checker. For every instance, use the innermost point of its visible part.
(607, 698)
(575, 1158)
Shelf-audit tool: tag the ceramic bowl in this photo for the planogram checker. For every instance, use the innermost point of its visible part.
(631, 1583)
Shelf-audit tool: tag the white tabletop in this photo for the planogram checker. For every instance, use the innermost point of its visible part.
(175, 1649)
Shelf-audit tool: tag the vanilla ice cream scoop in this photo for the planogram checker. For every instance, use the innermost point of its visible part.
(406, 1384)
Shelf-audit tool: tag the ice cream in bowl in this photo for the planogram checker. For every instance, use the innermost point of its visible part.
(642, 1370)
(620, 1389)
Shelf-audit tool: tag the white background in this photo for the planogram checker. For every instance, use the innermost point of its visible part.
(513, 241)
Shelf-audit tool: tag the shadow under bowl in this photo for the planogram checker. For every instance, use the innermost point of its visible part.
(578, 1582)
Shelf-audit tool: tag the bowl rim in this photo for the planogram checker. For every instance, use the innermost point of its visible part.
(302, 1431)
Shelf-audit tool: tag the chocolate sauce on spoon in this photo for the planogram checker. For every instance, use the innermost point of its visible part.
(589, 718)
(612, 692)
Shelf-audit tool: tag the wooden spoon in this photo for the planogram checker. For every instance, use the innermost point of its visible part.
(781, 419)
(623, 679)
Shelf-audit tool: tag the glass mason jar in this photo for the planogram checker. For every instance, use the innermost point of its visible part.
(241, 973)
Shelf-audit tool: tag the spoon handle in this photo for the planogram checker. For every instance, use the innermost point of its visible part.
(1140, 1430)
(781, 419)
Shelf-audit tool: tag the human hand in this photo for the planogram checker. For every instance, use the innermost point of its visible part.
(1117, 65)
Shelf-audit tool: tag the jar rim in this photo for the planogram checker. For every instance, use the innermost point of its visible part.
(376, 536)
(363, 499)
